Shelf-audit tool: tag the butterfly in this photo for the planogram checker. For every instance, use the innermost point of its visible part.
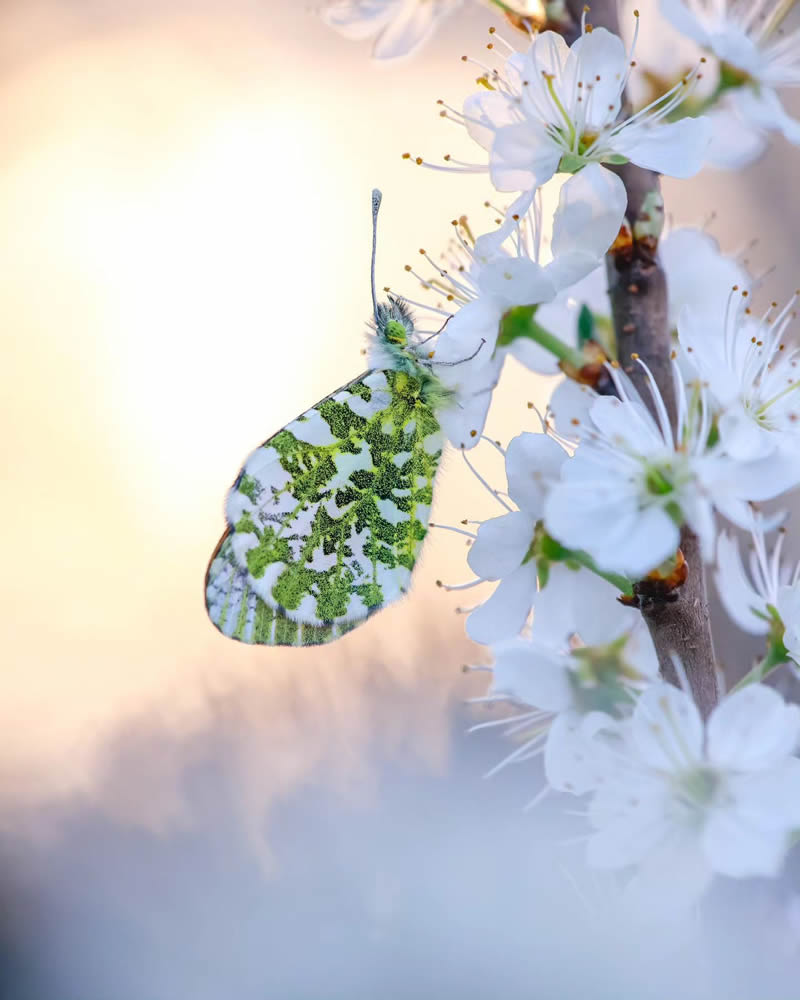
(326, 519)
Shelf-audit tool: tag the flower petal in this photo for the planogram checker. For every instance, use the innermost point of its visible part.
(598, 59)
(501, 545)
(765, 110)
(358, 19)
(677, 149)
(412, 25)
(666, 729)
(739, 598)
(523, 156)
(681, 17)
(531, 674)
(533, 462)
(516, 281)
(737, 848)
(752, 729)
(590, 211)
(503, 615)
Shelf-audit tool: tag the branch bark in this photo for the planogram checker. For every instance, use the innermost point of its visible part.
(638, 291)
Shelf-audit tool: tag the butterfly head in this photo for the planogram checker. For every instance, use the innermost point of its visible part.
(394, 324)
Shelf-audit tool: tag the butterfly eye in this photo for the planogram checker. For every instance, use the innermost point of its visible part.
(395, 332)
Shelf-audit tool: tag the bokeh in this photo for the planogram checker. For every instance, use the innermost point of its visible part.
(184, 267)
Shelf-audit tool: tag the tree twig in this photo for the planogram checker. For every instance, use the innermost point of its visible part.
(638, 290)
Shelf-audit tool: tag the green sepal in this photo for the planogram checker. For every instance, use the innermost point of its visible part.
(571, 163)
(546, 550)
(615, 159)
(600, 682)
(520, 322)
(585, 325)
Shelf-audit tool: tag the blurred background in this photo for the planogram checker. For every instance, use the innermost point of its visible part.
(184, 267)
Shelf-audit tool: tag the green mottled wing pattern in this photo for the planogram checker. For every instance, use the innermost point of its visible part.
(326, 519)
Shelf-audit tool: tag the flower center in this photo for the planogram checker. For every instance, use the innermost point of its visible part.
(659, 480)
(697, 790)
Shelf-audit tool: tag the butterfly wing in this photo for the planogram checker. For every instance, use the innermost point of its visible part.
(326, 519)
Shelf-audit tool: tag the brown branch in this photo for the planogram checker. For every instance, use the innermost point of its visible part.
(679, 626)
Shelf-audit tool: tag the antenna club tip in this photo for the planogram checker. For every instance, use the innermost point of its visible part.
(377, 197)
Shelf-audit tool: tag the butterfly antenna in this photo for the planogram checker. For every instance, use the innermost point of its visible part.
(376, 204)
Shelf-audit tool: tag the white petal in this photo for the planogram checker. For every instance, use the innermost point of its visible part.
(412, 26)
(735, 142)
(532, 675)
(765, 110)
(632, 821)
(670, 879)
(484, 113)
(736, 848)
(752, 729)
(677, 148)
(699, 276)
(359, 19)
(788, 602)
(503, 615)
(461, 338)
(463, 422)
(523, 156)
(769, 799)
(578, 601)
(666, 729)
(516, 281)
(572, 762)
(591, 207)
(680, 16)
(533, 462)
(535, 357)
(570, 406)
(735, 590)
(598, 59)
(501, 545)
(741, 436)
(762, 479)
(639, 544)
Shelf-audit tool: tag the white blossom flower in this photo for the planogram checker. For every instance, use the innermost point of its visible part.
(787, 602)
(683, 800)
(399, 27)
(756, 59)
(570, 600)
(698, 275)
(555, 108)
(559, 688)
(747, 596)
(501, 270)
(750, 373)
(765, 601)
(633, 482)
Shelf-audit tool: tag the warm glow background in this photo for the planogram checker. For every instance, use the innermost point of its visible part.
(184, 189)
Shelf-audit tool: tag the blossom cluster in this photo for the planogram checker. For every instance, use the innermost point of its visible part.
(598, 497)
